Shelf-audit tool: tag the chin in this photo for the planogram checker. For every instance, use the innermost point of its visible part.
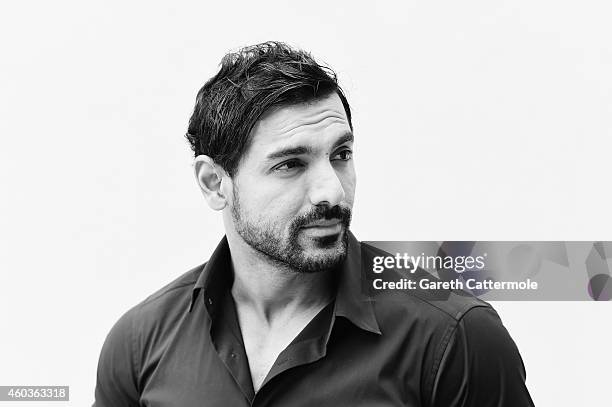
(329, 242)
(329, 249)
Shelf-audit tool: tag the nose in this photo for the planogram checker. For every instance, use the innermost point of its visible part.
(325, 186)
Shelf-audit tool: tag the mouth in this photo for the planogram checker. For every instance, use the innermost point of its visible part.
(324, 227)
(323, 223)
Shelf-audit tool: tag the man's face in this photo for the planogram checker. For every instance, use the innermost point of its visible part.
(294, 188)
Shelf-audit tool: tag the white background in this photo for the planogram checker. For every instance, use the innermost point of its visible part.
(474, 120)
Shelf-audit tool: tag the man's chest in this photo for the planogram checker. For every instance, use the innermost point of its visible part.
(263, 342)
(354, 369)
(262, 351)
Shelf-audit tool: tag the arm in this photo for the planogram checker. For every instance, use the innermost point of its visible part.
(480, 366)
(116, 384)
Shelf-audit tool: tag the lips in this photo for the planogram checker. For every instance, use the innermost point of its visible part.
(323, 223)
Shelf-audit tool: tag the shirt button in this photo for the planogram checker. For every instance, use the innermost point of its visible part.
(233, 355)
(209, 301)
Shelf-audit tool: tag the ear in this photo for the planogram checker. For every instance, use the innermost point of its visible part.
(210, 177)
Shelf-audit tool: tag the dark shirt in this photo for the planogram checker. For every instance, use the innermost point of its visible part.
(182, 346)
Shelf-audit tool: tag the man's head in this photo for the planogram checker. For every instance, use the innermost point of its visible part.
(272, 136)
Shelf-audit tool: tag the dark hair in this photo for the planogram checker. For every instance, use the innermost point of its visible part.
(251, 81)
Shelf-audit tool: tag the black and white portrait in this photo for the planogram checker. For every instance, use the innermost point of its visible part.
(186, 186)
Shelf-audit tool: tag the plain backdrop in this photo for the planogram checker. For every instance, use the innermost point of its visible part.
(474, 120)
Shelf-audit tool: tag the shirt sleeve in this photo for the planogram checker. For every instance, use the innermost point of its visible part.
(116, 380)
(480, 366)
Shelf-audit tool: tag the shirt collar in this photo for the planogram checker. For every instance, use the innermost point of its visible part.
(351, 300)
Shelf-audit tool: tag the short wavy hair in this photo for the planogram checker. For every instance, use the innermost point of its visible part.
(251, 81)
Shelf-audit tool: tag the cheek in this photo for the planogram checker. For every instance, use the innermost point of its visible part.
(349, 183)
(274, 203)
(283, 206)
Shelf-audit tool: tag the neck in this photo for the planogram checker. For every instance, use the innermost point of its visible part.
(272, 290)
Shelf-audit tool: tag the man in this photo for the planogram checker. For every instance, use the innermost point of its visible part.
(277, 317)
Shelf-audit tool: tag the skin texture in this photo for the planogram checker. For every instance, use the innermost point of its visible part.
(286, 213)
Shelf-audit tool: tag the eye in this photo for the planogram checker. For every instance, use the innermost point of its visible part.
(343, 155)
(288, 166)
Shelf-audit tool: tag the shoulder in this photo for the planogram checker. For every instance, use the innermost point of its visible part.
(394, 292)
(426, 323)
(165, 304)
(134, 335)
(172, 292)
(154, 316)
(464, 349)
(437, 309)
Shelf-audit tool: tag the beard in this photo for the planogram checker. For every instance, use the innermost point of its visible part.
(283, 247)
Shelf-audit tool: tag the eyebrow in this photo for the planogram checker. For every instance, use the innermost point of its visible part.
(346, 137)
(285, 152)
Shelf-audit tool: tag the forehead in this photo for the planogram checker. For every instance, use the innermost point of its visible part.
(315, 123)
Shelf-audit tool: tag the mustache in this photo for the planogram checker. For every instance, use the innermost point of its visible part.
(342, 213)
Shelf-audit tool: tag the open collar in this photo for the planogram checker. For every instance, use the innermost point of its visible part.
(351, 301)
